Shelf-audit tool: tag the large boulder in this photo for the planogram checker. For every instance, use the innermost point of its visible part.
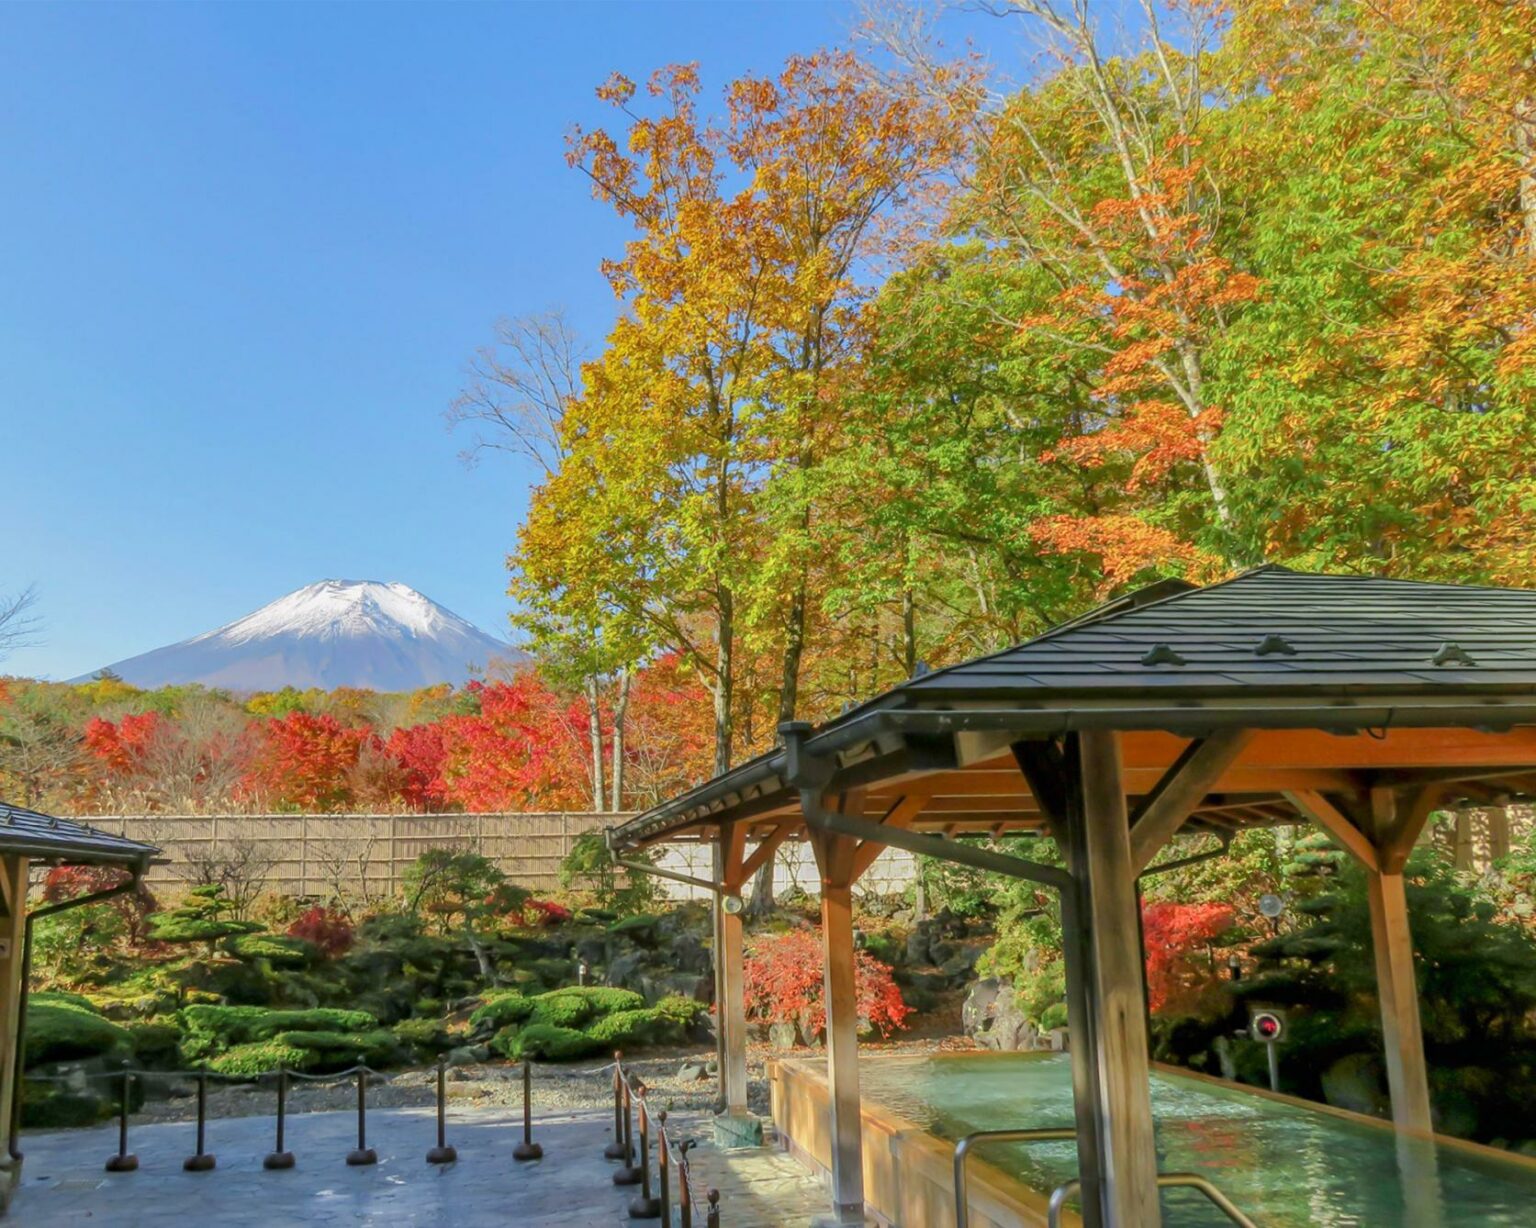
(1355, 1082)
(993, 1018)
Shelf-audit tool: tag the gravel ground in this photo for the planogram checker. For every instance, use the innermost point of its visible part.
(573, 1085)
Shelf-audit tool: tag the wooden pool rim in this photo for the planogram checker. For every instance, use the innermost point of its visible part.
(909, 1171)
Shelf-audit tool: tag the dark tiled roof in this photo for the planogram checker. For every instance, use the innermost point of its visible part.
(1271, 629)
(45, 837)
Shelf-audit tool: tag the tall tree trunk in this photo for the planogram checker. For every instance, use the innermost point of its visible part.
(595, 737)
(794, 651)
(725, 664)
(620, 712)
(1525, 146)
(909, 631)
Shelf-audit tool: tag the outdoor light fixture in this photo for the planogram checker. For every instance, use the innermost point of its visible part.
(731, 904)
(1267, 1027)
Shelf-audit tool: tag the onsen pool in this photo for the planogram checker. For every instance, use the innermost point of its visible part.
(1286, 1163)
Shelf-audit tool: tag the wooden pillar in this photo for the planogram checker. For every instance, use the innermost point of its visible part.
(834, 858)
(1129, 1154)
(730, 972)
(13, 909)
(1397, 988)
(733, 1012)
(1396, 825)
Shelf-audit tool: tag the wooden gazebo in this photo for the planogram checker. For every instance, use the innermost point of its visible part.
(1356, 703)
(28, 838)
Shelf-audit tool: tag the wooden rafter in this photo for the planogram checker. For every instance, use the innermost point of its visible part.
(1193, 775)
(766, 848)
(1338, 825)
(901, 814)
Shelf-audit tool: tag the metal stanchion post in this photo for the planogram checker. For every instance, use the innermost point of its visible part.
(278, 1158)
(712, 1219)
(664, 1168)
(363, 1154)
(684, 1186)
(617, 1150)
(645, 1205)
(629, 1174)
(442, 1153)
(123, 1162)
(527, 1149)
(200, 1161)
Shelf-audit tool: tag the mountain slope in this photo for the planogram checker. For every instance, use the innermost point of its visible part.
(385, 637)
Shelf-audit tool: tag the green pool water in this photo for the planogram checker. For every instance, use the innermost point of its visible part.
(1286, 1166)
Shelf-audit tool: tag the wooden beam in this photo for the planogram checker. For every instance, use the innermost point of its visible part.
(901, 814)
(1130, 1195)
(1337, 824)
(1184, 786)
(733, 845)
(1399, 821)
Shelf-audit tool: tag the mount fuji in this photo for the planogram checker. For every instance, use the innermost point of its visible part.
(337, 633)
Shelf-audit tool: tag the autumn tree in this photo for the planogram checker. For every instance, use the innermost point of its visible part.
(520, 390)
(1099, 176)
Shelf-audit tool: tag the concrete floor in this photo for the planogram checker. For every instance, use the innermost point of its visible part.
(63, 1181)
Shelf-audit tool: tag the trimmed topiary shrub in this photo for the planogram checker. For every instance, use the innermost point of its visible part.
(572, 1007)
(375, 1047)
(422, 1037)
(545, 1041)
(561, 1010)
(155, 1045)
(58, 1030)
(497, 1012)
(278, 949)
(255, 1059)
(637, 1027)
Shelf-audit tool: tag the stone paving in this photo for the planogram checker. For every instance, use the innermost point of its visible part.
(63, 1181)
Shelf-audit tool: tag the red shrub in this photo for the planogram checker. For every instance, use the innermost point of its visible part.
(545, 912)
(784, 984)
(1180, 970)
(326, 928)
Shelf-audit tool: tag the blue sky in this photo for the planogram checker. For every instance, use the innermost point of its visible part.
(246, 253)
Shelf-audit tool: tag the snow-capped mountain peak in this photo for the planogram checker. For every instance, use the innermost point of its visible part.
(356, 633)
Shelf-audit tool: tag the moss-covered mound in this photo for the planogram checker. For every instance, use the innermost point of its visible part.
(215, 1030)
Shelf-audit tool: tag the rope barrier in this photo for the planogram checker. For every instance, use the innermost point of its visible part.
(674, 1173)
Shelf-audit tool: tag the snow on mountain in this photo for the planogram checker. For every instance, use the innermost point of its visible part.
(352, 633)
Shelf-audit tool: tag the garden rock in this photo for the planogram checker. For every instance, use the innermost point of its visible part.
(782, 1035)
(692, 1072)
(1354, 1082)
(1000, 1024)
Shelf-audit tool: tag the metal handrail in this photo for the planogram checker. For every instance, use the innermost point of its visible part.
(963, 1150)
(1193, 1181)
